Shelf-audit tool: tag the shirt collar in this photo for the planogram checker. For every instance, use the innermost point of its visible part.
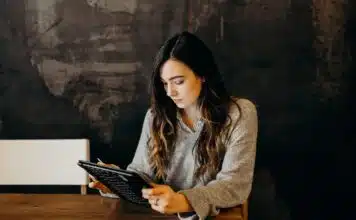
(198, 125)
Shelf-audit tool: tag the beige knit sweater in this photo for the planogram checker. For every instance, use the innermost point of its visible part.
(231, 186)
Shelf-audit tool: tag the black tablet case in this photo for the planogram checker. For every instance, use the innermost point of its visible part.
(126, 184)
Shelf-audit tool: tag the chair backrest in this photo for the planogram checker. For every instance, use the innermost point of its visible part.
(245, 210)
(43, 162)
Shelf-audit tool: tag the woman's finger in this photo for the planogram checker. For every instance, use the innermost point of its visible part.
(104, 189)
(98, 185)
(153, 200)
(94, 184)
(107, 165)
(91, 178)
(158, 208)
(113, 165)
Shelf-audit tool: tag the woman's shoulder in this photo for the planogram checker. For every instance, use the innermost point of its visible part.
(149, 115)
(243, 116)
(241, 107)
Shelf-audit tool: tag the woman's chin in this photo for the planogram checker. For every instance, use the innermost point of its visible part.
(183, 105)
(180, 105)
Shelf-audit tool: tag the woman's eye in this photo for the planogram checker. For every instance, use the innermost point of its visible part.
(179, 81)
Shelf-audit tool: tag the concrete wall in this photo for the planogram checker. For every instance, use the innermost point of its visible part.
(85, 75)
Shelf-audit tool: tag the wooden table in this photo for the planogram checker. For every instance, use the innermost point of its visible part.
(72, 206)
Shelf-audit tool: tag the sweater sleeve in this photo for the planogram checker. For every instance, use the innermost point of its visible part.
(233, 183)
(140, 162)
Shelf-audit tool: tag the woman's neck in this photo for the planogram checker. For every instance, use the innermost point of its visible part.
(190, 115)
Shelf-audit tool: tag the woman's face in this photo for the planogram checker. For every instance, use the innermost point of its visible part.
(182, 85)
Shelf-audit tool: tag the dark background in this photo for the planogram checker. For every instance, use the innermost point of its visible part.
(71, 70)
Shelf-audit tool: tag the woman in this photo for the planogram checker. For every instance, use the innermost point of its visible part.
(195, 138)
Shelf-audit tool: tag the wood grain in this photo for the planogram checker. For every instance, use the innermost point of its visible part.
(89, 207)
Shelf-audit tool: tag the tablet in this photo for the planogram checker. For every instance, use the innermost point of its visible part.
(126, 184)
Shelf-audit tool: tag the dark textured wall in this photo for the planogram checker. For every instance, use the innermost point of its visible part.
(70, 69)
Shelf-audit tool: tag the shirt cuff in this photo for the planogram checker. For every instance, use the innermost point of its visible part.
(109, 195)
(187, 216)
(198, 202)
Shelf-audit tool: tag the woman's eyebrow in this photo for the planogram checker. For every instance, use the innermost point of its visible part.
(172, 78)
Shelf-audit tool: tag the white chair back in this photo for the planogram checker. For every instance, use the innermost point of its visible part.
(44, 162)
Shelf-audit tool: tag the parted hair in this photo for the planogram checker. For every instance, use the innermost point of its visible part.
(214, 102)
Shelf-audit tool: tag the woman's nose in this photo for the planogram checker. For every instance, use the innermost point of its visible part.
(171, 91)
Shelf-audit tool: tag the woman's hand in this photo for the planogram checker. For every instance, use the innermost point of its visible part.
(94, 184)
(164, 200)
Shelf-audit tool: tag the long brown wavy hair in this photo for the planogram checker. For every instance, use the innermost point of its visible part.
(214, 102)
